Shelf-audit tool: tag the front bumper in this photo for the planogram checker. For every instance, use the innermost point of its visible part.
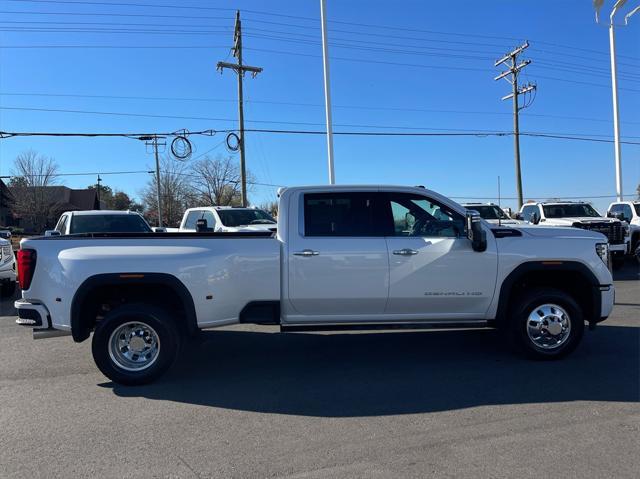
(607, 299)
(618, 249)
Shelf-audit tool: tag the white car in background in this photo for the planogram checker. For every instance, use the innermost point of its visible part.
(628, 211)
(7, 269)
(492, 213)
(101, 221)
(229, 219)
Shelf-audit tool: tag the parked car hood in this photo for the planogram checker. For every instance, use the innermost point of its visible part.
(262, 227)
(580, 219)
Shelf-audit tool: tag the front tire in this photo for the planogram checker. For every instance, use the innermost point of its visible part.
(135, 344)
(546, 323)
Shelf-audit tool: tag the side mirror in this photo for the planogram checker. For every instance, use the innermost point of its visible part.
(518, 216)
(201, 226)
(535, 218)
(475, 232)
(52, 233)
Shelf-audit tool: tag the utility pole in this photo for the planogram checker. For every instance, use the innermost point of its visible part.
(99, 180)
(240, 69)
(327, 91)
(511, 59)
(153, 141)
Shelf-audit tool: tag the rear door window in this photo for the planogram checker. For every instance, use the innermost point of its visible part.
(343, 214)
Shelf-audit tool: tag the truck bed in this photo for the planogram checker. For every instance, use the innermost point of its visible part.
(210, 265)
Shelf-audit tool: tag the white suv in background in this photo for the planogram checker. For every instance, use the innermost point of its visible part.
(229, 219)
(492, 213)
(7, 269)
(628, 211)
(579, 215)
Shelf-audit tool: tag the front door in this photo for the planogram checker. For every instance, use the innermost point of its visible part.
(337, 261)
(434, 272)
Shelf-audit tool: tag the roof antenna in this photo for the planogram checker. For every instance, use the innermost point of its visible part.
(499, 205)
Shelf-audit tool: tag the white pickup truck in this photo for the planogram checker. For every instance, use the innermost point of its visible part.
(343, 257)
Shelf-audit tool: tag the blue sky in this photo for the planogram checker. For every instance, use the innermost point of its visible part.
(395, 66)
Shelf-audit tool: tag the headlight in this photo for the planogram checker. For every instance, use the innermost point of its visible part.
(603, 251)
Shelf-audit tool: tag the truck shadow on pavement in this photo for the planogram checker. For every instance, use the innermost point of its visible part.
(372, 374)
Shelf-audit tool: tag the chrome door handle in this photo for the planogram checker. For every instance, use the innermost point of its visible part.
(405, 252)
(307, 252)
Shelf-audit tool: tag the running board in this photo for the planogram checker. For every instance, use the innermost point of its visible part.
(471, 324)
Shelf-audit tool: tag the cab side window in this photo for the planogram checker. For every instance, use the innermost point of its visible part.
(415, 215)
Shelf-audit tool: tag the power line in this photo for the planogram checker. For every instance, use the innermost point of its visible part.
(314, 105)
(311, 19)
(467, 133)
(349, 125)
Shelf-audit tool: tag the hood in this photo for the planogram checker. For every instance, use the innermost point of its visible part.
(579, 219)
(4, 242)
(508, 222)
(562, 232)
(265, 227)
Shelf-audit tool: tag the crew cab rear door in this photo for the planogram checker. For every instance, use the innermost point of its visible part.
(337, 257)
(434, 272)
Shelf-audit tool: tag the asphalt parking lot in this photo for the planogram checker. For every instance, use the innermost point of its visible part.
(249, 402)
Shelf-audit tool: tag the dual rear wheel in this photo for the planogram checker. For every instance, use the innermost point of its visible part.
(135, 344)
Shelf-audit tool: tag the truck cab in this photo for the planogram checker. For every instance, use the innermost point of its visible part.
(227, 219)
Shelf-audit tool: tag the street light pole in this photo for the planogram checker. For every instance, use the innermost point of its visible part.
(327, 91)
(614, 89)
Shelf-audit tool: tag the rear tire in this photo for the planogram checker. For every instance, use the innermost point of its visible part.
(546, 323)
(135, 344)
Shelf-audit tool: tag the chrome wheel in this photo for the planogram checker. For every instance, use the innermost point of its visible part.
(548, 326)
(134, 346)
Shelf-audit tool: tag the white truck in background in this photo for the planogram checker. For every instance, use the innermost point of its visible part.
(100, 221)
(579, 215)
(628, 211)
(7, 269)
(493, 214)
(229, 219)
(343, 257)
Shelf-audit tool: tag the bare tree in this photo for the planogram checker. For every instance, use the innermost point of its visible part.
(270, 207)
(34, 201)
(176, 193)
(217, 181)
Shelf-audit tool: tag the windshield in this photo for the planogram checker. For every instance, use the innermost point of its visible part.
(109, 224)
(570, 211)
(489, 212)
(242, 217)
